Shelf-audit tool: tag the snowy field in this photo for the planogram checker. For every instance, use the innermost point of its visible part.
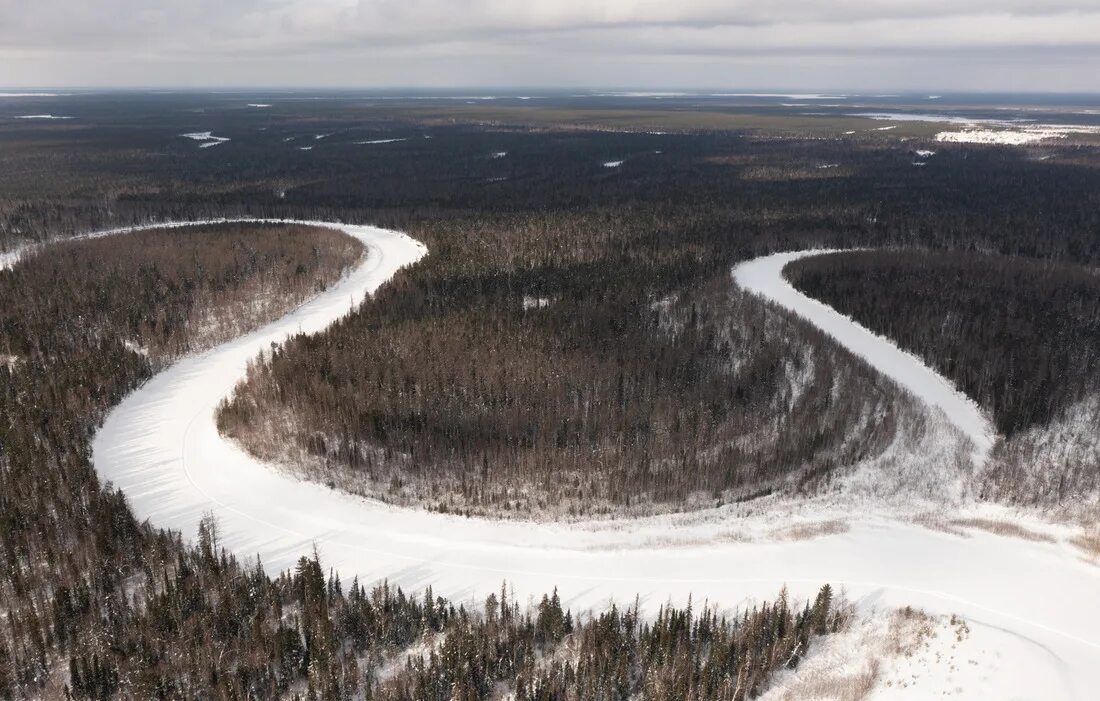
(1007, 132)
(10, 258)
(1028, 603)
(1016, 137)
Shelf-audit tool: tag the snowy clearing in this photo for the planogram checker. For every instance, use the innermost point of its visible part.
(980, 130)
(1018, 136)
(10, 258)
(206, 139)
(161, 447)
(906, 654)
(530, 302)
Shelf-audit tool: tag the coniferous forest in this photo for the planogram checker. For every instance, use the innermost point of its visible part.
(572, 347)
(98, 605)
(1043, 317)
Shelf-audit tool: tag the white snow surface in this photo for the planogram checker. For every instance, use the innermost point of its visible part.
(206, 139)
(919, 657)
(161, 447)
(380, 141)
(981, 130)
(10, 258)
(41, 116)
(764, 276)
(1016, 137)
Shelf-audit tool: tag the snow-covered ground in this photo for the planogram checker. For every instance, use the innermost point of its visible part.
(910, 656)
(206, 139)
(41, 116)
(530, 302)
(10, 258)
(975, 130)
(162, 448)
(1018, 136)
(764, 276)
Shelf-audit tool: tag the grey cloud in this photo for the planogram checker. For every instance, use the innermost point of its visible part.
(46, 35)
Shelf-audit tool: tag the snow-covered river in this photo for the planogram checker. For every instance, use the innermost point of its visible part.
(1034, 603)
(764, 276)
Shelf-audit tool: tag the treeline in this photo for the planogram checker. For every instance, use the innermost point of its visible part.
(196, 623)
(562, 365)
(681, 654)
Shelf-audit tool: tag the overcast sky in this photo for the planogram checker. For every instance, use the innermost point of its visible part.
(1047, 45)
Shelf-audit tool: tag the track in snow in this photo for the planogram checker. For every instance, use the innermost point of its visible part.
(160, 446)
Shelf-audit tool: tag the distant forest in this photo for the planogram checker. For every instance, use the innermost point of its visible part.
(614, 279)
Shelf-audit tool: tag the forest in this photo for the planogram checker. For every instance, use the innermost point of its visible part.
(188, 289)
(98, 605)
(599, 293)
(562, 367)
(952, 308)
